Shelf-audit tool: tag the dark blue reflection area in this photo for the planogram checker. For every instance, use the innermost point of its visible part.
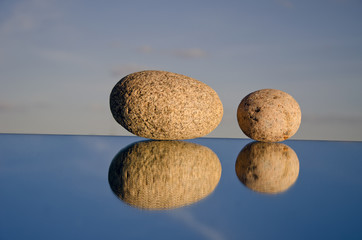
(56, 187)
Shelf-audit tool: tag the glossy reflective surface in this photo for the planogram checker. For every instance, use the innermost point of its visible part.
(164, 174)
(94, 187)
(267, 167)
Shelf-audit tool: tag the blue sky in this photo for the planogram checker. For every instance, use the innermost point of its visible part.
(60, 59)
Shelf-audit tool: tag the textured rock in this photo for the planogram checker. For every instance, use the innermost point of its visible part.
(269, 115)
(165, 106)
(164, 174)
(267, 167)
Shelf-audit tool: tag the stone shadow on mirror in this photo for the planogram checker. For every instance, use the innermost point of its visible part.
(267, 167)
(164, 174)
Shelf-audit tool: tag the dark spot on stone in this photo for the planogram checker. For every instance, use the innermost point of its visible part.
(286, 134)
(257, 109)
(251, 168)
(253, 118)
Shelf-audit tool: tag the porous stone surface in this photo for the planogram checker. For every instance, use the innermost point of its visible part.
(164, 174)
(165, 106)
(269, 115)
(267, 167)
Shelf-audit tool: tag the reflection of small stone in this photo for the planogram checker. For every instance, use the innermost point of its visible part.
(267, 167)
(269, 115)
(165, 106)
(164, 174)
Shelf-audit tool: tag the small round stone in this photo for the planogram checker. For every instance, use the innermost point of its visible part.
(165, 106)
(269, 115)
(267, 167)
(164, 174)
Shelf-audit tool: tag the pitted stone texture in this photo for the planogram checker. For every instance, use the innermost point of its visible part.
(164, 174)
(165, 106)
(267, 167)
(269, 115)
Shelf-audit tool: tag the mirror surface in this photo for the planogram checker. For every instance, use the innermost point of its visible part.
(65, 187)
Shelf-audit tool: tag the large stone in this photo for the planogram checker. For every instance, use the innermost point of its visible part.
(164, 174)
(165, 106)
(267, 167)
(269, 115)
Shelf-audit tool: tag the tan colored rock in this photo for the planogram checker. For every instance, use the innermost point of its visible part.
(269, 115)
(165, 106)
(267, 167)
(164, 174)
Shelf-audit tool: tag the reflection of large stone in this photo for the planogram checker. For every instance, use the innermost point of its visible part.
(164, 174)
(267, 167)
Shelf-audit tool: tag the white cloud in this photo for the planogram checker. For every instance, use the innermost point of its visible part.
(63, 56)
(21, 107)
(145, 49)
(97, 107)
(6, 107)
(332, 119)
(123, 70)
(191, 53)
(28, 16)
